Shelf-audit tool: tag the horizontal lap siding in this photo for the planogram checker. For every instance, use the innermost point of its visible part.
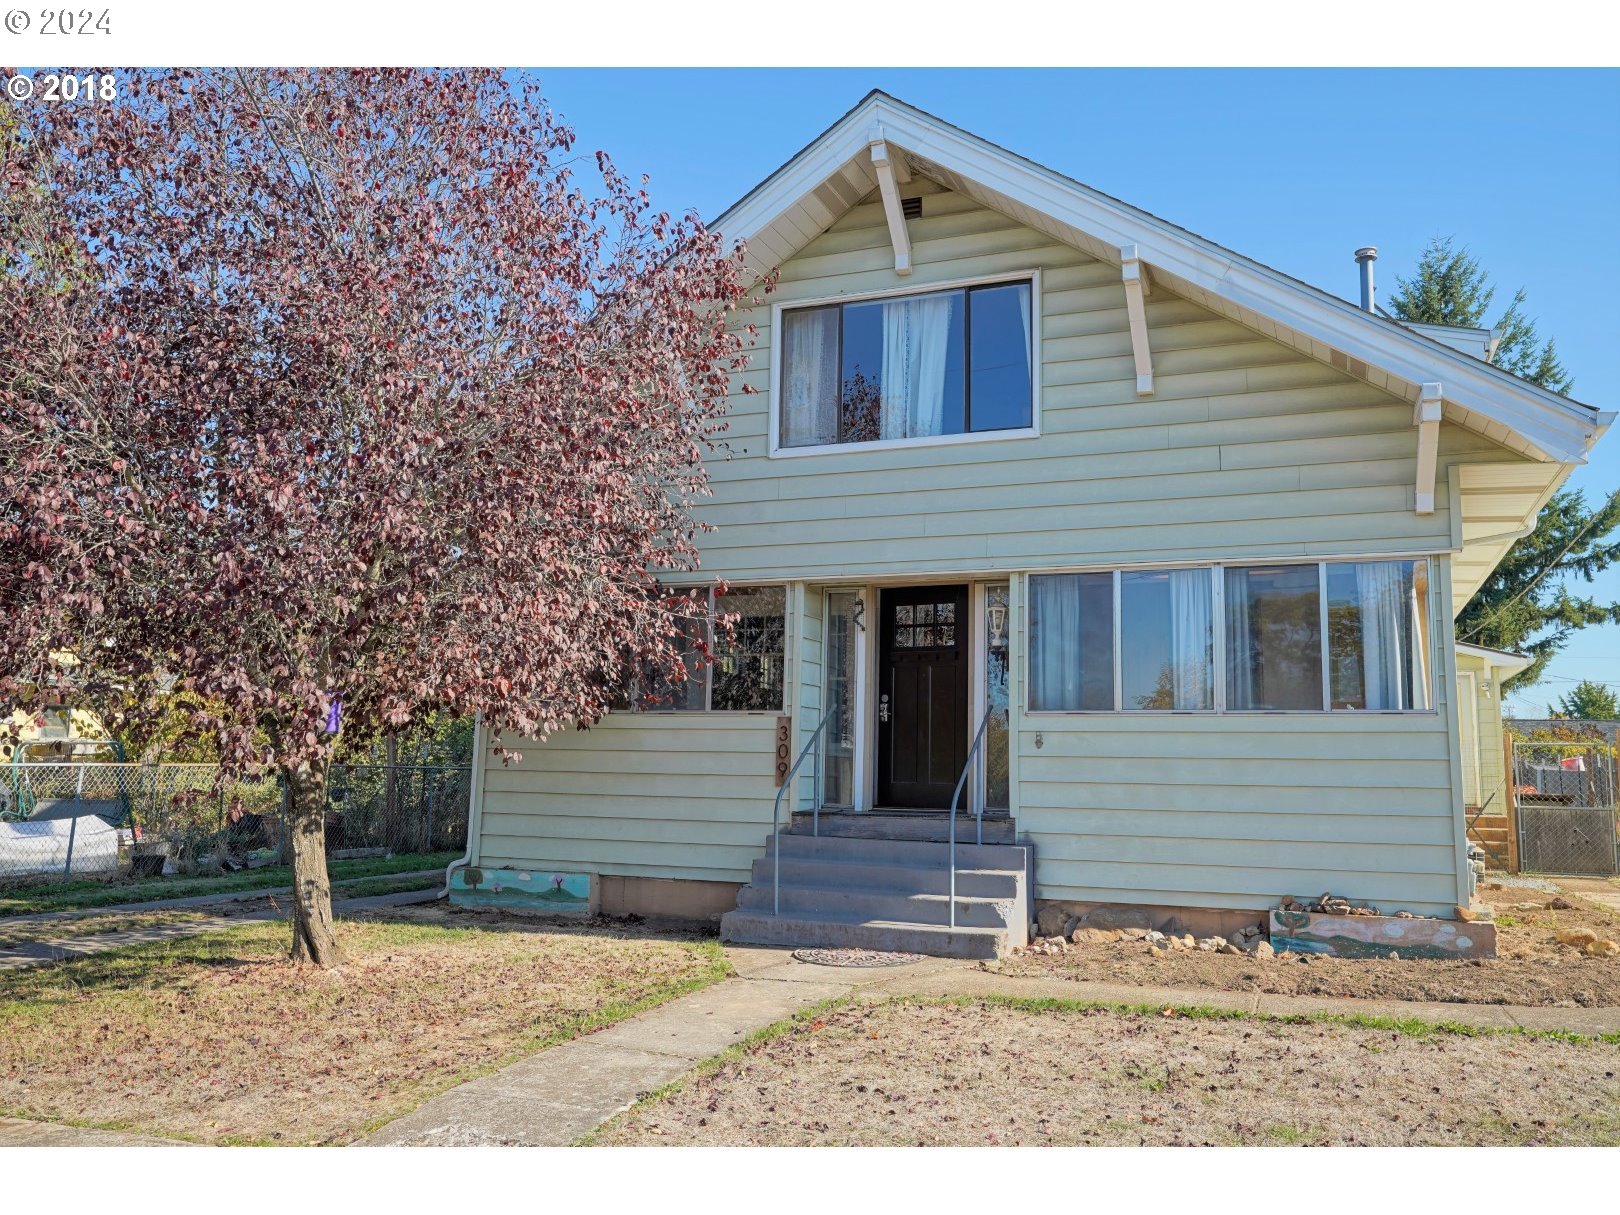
(638, 795)
(1238, 811)
(1246, 447)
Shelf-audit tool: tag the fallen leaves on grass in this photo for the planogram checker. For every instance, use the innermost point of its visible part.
(220, 1038)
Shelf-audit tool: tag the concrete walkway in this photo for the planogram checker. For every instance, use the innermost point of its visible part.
(557, 1096)
(44, 945)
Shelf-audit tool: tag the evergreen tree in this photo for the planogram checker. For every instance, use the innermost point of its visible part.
(1526, 604)
(1588, 702)
(1450, 287)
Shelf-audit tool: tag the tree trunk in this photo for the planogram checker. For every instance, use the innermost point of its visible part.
(313, 938)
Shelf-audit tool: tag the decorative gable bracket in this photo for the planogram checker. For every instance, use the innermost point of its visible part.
(1134, 274)
(1426, 417)
(891, 170)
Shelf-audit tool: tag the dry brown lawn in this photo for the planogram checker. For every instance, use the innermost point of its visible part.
(218, 1038)
(981, 1073)
(1531, 968)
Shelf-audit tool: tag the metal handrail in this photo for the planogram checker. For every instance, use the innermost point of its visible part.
(815, 806)
(956, 796)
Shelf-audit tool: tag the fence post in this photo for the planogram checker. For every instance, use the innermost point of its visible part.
(73, 831)
(1511, 802)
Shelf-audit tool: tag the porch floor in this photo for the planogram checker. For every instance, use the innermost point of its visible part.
(885, 824)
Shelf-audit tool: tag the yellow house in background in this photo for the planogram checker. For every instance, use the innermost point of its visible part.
(54, 732)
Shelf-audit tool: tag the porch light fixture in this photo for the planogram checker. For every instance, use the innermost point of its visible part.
(996, 619)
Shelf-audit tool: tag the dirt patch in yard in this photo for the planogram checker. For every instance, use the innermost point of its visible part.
(218, 1038)
(974, 1073)
(1531, 967)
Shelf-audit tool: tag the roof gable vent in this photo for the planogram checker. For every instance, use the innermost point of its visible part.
(911, 208)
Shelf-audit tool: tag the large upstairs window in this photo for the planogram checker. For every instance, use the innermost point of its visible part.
(919, 366)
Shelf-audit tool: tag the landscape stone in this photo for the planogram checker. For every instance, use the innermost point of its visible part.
(1117, 917)
(1050, 919)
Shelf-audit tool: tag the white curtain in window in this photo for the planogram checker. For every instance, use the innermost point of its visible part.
(916, 337)
(810, 377)
(1190, 609)
(1240, 689)
(1054, 662)
(1384, 597)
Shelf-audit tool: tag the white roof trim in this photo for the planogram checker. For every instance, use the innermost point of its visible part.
(1538, 422)
(1500, 660)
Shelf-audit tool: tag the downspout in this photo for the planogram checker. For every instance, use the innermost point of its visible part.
(475, 806)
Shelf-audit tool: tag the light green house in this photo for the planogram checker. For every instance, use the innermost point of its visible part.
(1157, 545)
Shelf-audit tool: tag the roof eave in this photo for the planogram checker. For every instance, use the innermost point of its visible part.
(1546, 426)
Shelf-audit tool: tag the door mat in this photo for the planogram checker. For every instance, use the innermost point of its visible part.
(855, 957)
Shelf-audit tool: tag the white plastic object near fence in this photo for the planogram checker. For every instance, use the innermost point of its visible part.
(41, 847)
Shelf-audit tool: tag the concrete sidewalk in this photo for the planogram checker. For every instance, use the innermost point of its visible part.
(553, 1098)
(192, 901)
(47, 946)
(561, 1094)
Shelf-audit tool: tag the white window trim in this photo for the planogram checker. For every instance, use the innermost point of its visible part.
(1218, 656)
(774, 405)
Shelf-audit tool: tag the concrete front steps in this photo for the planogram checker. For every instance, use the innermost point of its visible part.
(892, 894)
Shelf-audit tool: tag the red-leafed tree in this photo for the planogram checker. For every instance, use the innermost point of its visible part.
(344, 389)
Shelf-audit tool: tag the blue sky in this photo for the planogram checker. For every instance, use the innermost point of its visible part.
(1295, 168)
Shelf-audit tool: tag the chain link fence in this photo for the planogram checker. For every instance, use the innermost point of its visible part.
(61, 821)
(1567, 807)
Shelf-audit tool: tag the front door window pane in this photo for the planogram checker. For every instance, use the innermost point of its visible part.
(1166, 640)
(1273, 637)
(997, 748)
(842, 656)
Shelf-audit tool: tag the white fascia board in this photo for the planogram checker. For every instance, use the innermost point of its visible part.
(1552, 427)
(1502, 660)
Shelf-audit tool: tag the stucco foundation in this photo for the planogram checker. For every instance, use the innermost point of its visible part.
(667, 898)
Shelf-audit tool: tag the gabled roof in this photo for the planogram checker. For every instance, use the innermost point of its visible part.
(807, 194)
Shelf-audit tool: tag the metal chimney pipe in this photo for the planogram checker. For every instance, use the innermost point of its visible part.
(1365, 257)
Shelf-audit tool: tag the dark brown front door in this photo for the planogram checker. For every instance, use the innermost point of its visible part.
(922, 695)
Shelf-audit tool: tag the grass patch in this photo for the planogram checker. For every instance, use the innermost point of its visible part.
(1411, 1027)
(218, 1039)
(71, 896)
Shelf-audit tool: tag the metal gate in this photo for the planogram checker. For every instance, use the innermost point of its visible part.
(1567, 807)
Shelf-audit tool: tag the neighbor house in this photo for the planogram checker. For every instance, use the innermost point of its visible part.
(1158, 546)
